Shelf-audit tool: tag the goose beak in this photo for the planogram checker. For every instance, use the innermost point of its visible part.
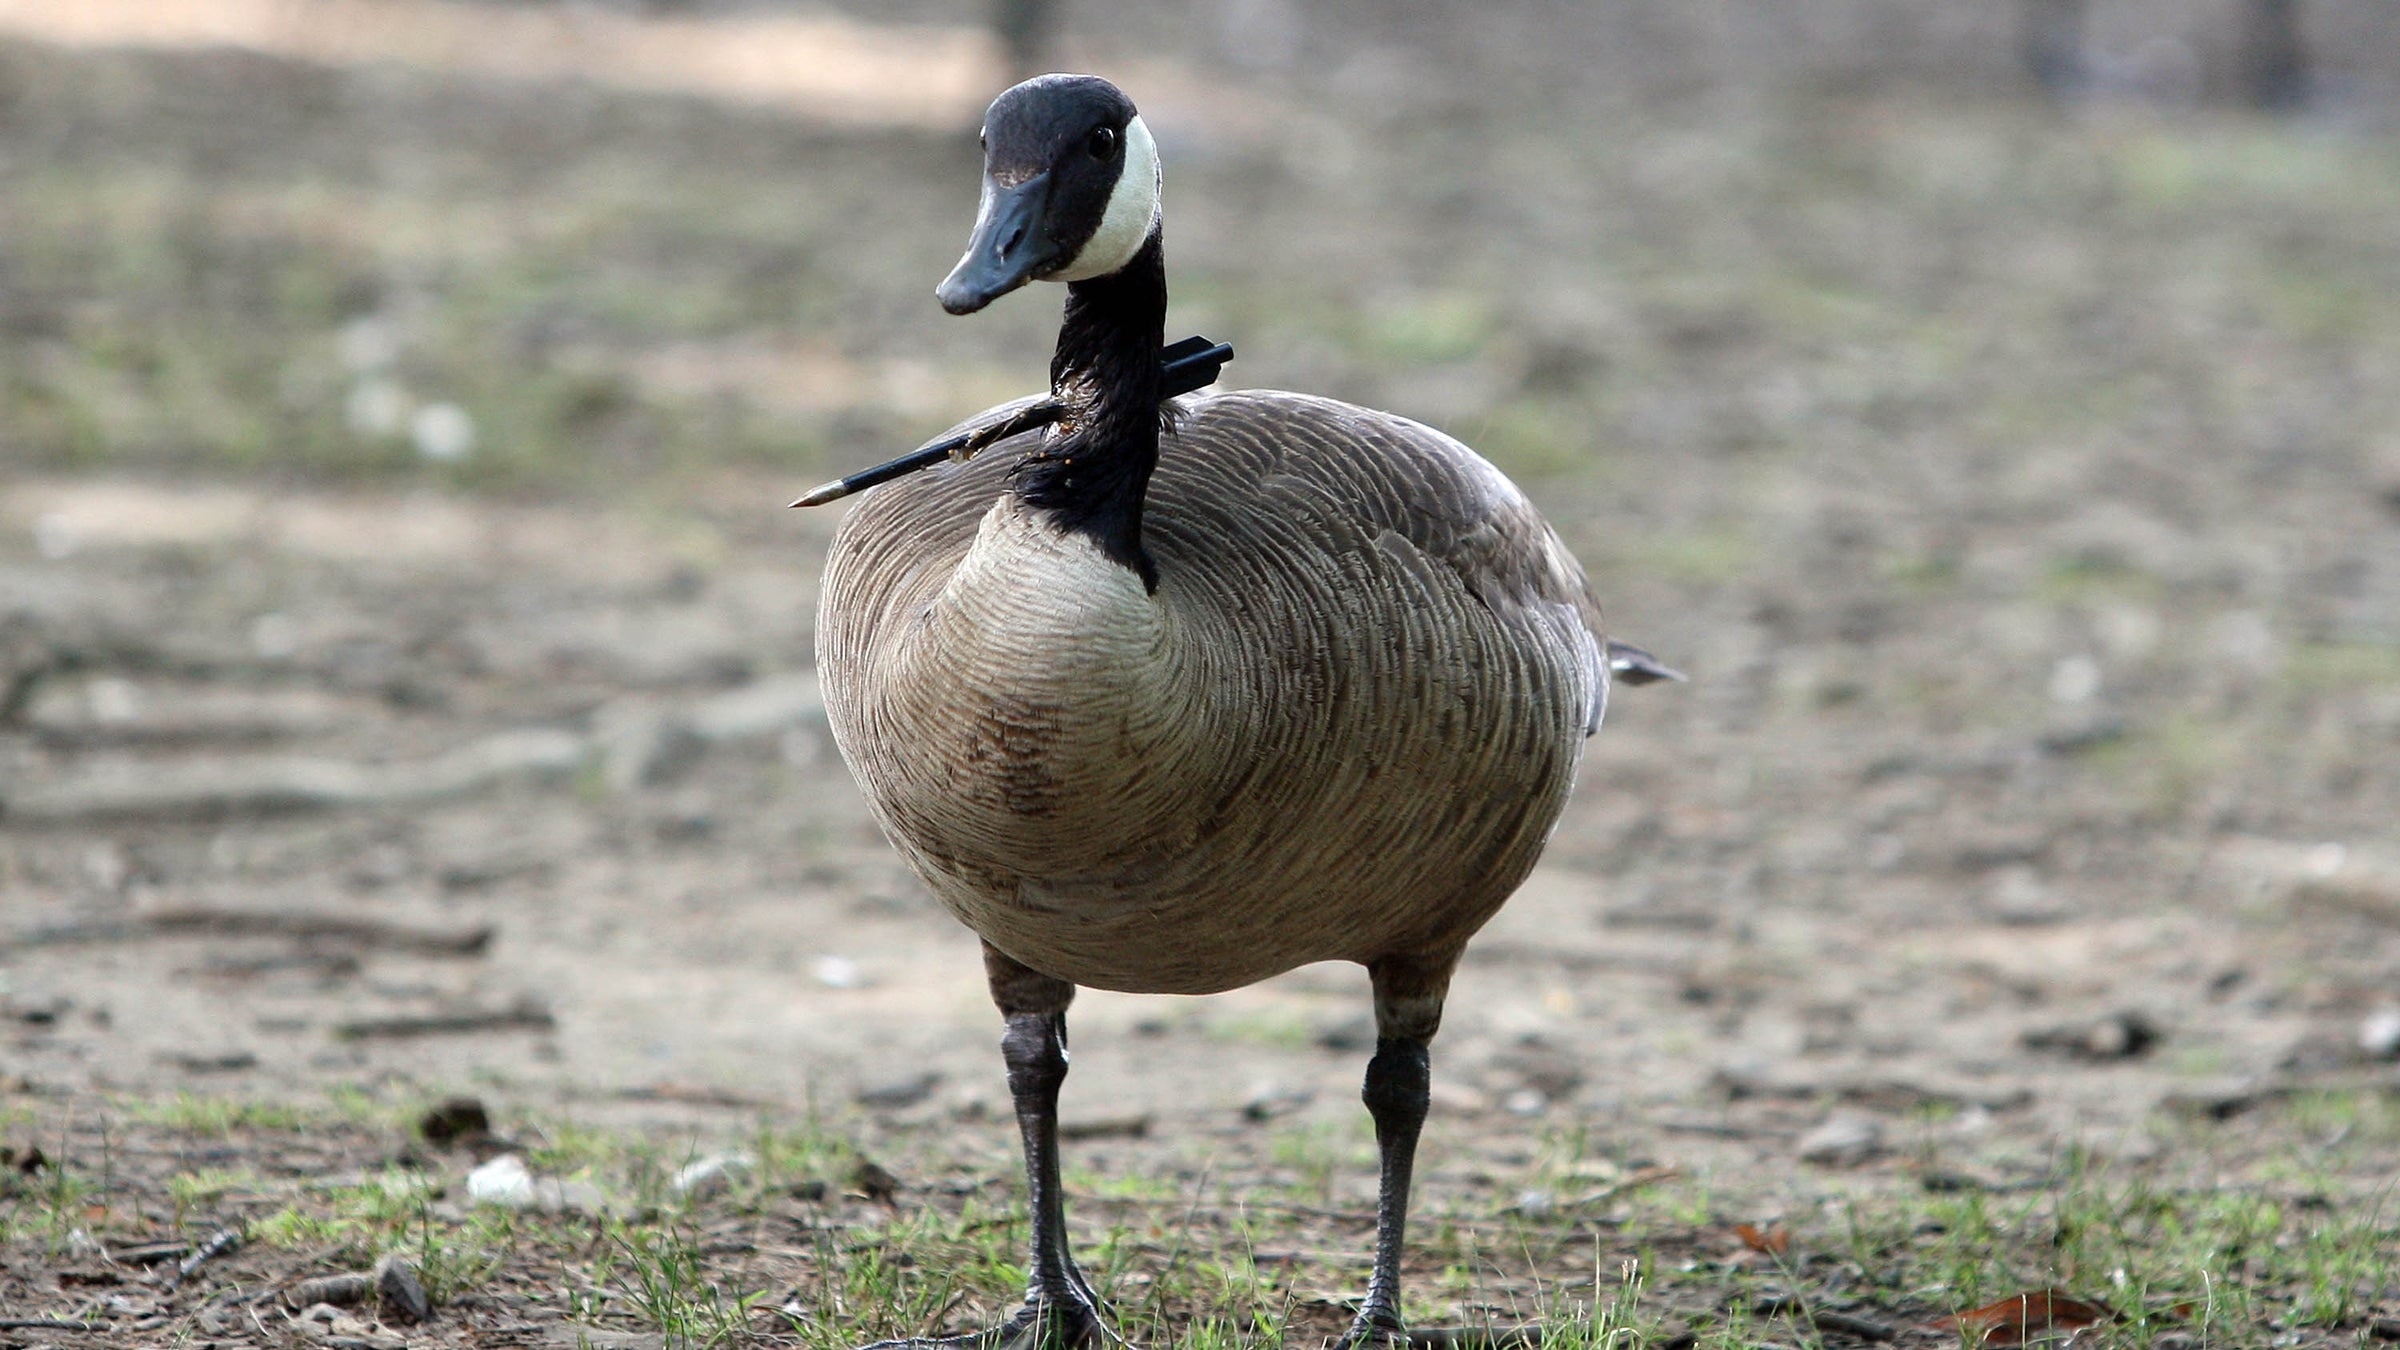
(1008, 248)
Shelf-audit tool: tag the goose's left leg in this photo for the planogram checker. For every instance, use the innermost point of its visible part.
(1408, 1010)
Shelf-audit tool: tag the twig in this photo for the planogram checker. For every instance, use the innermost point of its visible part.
(340, 1290)
(1865, 1328)
(49, 1324)
(525, 1015)
(266, 923)
(219, 1243)
(149, 1254)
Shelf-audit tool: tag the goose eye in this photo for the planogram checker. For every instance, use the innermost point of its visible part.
(1103, 142)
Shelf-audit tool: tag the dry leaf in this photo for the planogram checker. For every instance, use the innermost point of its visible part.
(2023, 1317)
(1774, 1240)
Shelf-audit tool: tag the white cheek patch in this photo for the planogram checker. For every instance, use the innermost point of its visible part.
(1132, 210)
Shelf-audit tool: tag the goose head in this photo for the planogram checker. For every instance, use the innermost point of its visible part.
(1070, 190)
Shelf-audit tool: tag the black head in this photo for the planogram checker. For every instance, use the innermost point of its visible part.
(1070, 190)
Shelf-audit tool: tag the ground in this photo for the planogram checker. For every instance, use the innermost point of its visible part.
(2011, 901)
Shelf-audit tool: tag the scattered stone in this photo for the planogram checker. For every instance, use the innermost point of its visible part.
(503, 1181)
(895, 1093)
(1267, 1101)
(2124, 1034)
(1845, 1139)
(399, 1291)
(873, 1181)
(712, 1175)
(2379, 1034)
(455, 1120)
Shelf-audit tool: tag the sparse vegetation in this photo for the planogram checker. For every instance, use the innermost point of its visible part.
(2300, 1258)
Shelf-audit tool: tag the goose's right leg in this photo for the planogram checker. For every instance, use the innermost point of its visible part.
(1060, 1311)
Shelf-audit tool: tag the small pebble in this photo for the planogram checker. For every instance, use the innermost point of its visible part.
(1525, 1102)
(399, 1290)
(839, 972)
(454, 1120)
(1267, 1101)
(712, 1175)
(503, 1181)
(2379, 1035)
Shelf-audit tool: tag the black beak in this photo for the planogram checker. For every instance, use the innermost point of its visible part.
(1008, 249)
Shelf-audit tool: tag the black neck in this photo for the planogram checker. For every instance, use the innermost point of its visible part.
(1091, 474)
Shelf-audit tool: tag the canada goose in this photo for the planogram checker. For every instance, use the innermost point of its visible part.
(1293, 681)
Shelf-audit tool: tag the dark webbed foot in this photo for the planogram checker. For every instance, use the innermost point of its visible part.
(1066, 1322)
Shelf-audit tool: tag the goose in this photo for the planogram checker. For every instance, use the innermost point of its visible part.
(1171, 699)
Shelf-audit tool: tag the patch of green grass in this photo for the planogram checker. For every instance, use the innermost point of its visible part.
(2161, 1254)
(2296, 1241)
(394, 1210)
(218, 1117)
(2334, 666)
(667, 1282)
(207, 1186)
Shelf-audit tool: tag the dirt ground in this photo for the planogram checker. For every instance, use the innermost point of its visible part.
(2021, 492)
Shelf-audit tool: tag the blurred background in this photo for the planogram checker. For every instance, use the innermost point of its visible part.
(1994, 404)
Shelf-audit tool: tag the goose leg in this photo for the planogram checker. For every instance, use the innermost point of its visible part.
(1060, 1311)
(1408, 1010)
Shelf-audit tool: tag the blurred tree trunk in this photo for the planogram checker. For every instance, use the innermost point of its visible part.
(2050, 42)
(1026, 29)
(2274, 67)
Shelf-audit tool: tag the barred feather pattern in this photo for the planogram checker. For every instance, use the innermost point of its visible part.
(1341, 728)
